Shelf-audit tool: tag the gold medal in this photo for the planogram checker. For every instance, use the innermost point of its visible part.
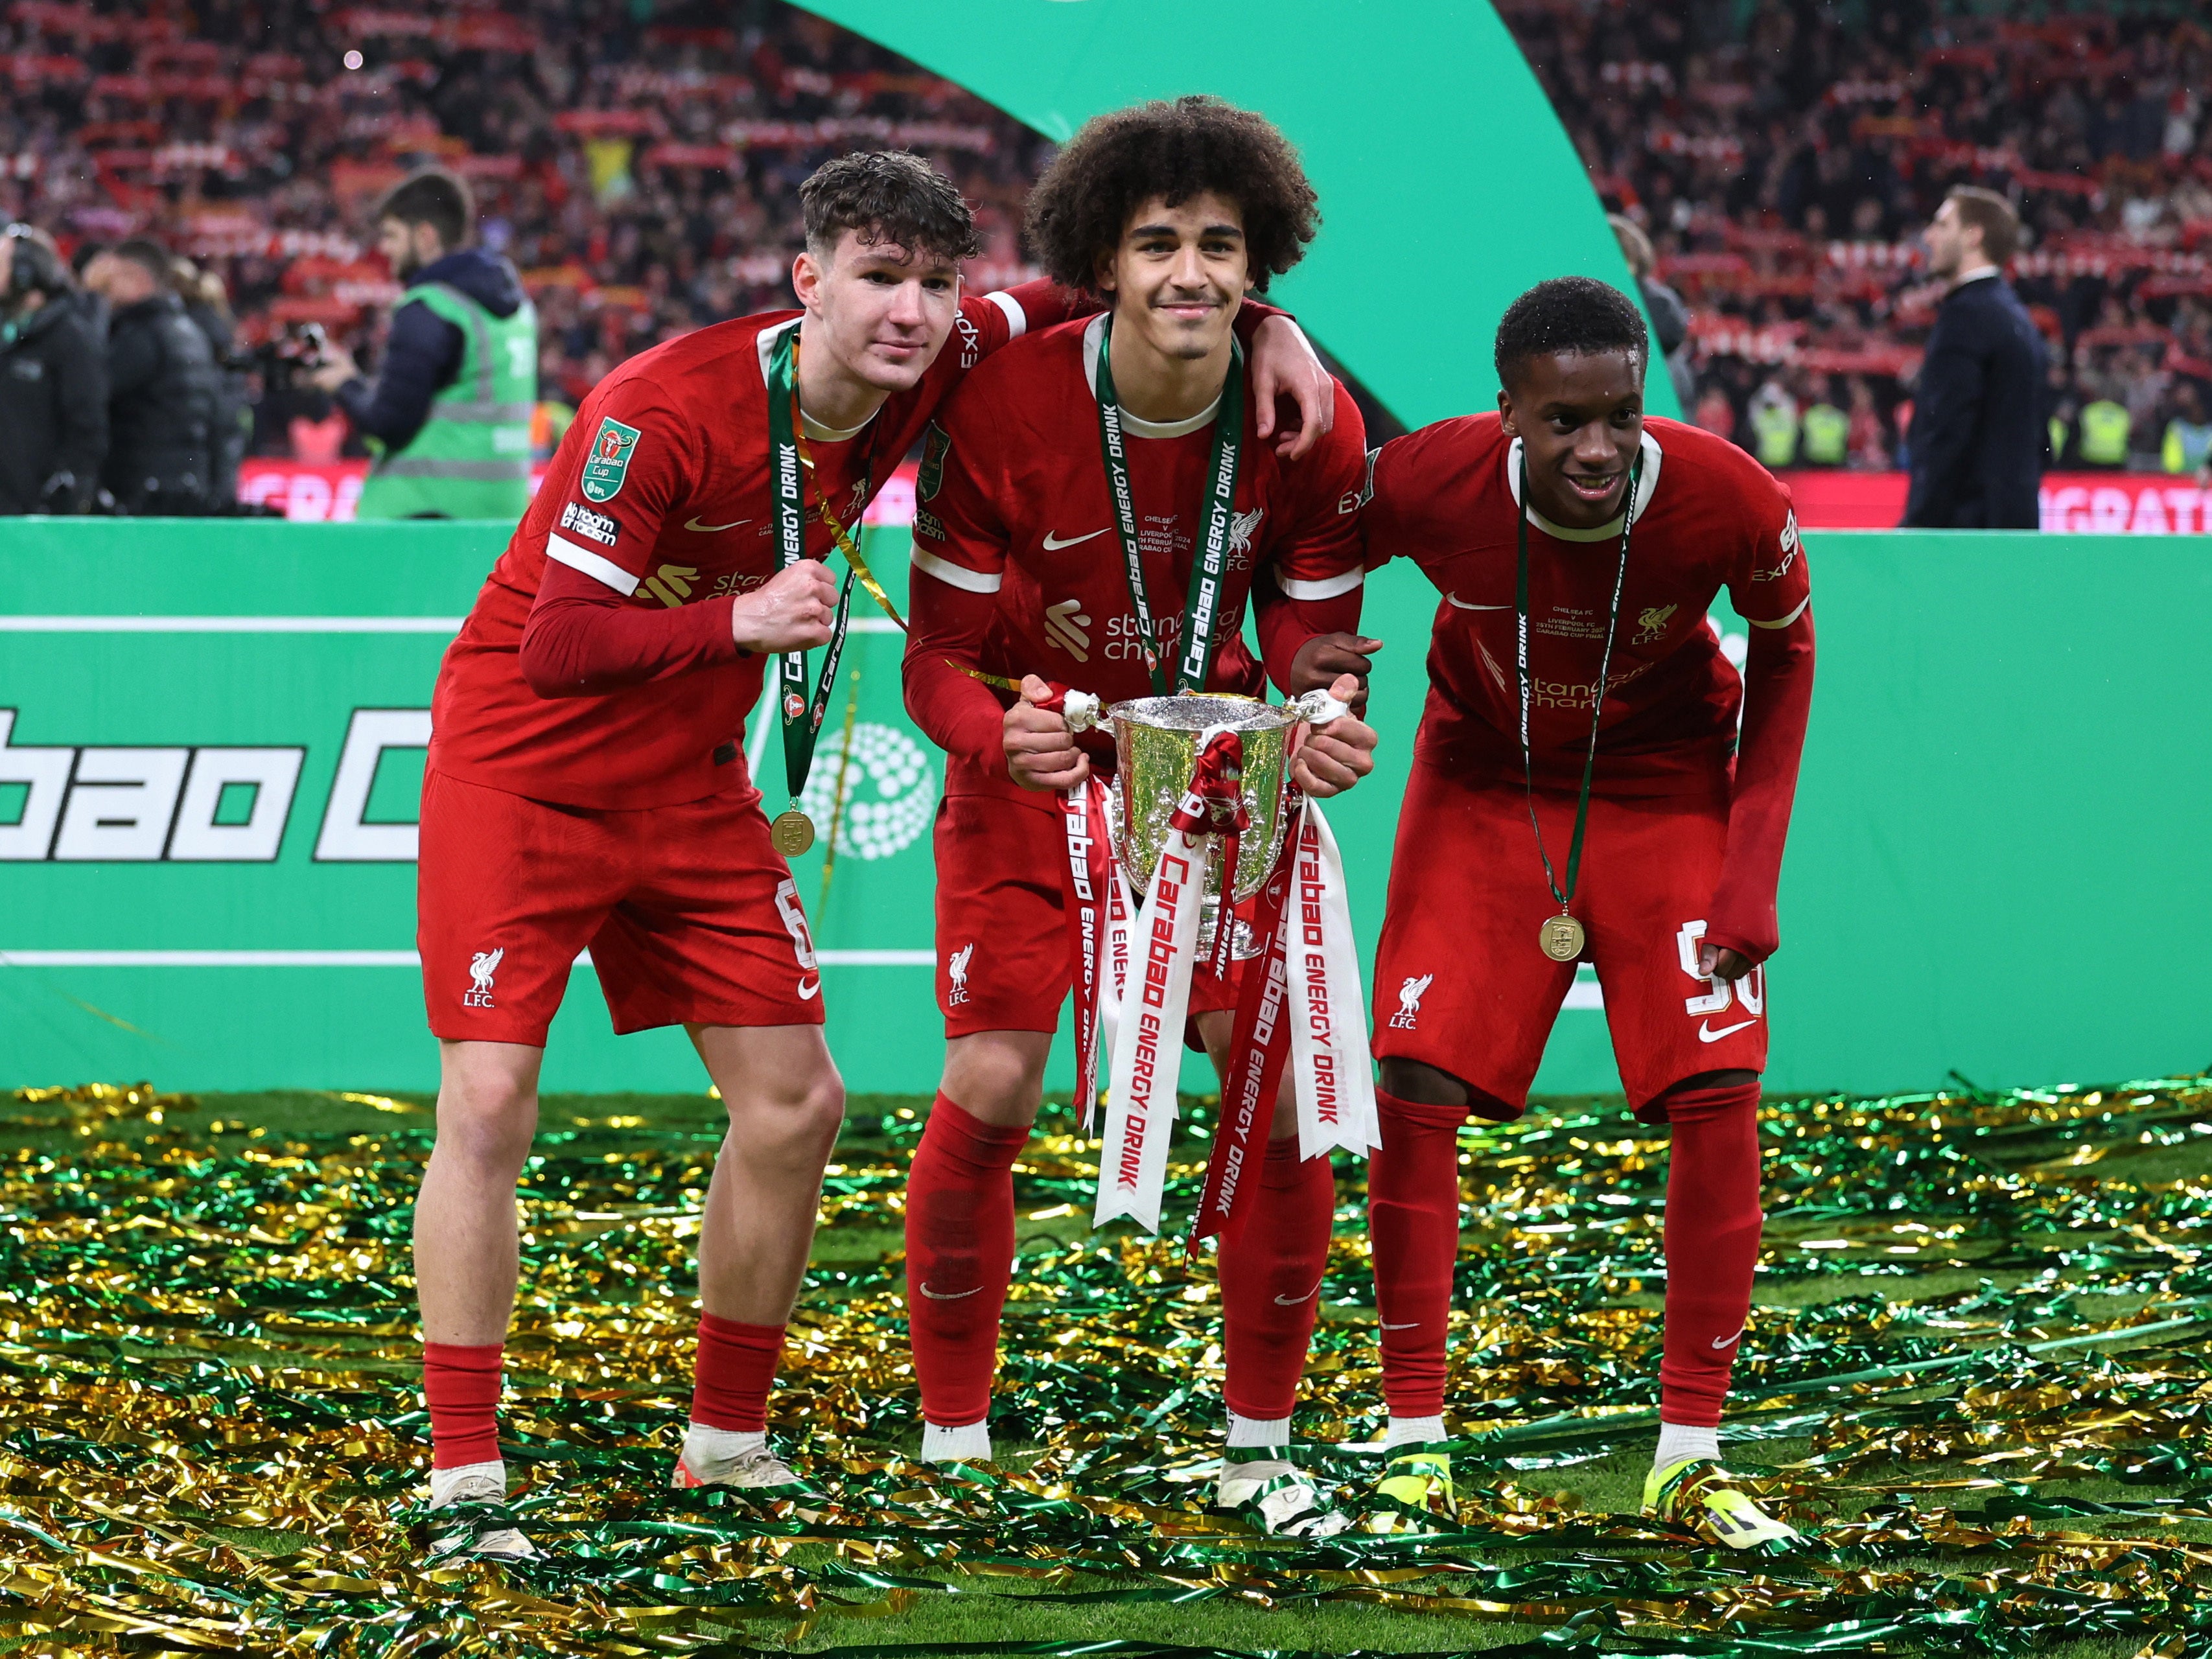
(1561, 937)
(791, 832)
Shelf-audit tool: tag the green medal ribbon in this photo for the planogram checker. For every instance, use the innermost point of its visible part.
(1209, 570)
(1597, 696)
(802, 714)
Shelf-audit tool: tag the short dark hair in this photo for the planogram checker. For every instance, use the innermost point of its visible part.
(434, 198)
(1174, 151)
(888, 196)
(1568, 316)
(144, 251)
(1994, 217)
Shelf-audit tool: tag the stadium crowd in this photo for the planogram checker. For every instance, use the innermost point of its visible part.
(637, 161)
(1784, 159)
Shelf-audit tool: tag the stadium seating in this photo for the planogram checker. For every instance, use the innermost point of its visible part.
(640, 161)
(1783, 157)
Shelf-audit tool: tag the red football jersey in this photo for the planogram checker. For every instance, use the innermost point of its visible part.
(1710, 517)
(661, 491)
(1014, 502)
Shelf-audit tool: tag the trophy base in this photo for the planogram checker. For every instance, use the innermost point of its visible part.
(1243, 943)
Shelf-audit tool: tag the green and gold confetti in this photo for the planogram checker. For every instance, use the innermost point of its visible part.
(1975, 1380)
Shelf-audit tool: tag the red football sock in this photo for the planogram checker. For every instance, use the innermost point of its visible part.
(461, 1386)
(1713, 1219)
(1413, 1204)
(1271, 1281)
(959, 1256)
(735, 1370)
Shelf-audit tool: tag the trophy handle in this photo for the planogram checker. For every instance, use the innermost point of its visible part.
(1317, 707)
(1084, 711)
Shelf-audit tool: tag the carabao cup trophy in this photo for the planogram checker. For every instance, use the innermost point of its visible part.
(1203, 818)
(1156, 745)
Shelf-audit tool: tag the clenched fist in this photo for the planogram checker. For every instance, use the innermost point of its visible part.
(792, 611)
(1041, 751)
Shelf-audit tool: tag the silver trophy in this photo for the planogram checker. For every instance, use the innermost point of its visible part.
(1156, 746)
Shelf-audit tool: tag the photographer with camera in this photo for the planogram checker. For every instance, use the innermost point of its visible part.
(453, 399)
(163, 388)
(53, 381)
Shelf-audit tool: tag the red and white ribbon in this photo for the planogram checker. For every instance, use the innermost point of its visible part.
(1331, 1066)
(1301, 1004)
(1088, 882)
(1140, 1099)
(1259, 1044)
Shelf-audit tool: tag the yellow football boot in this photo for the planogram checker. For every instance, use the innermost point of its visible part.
(1415, 1493)
(1698, 1496)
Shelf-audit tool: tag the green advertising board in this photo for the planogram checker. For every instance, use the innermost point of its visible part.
(211, 739)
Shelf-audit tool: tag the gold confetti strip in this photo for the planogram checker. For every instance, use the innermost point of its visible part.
(207, 1330)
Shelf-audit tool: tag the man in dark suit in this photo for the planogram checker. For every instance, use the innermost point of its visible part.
(1977, 426)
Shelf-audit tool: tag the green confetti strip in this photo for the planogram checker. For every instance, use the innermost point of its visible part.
(1970, 1303)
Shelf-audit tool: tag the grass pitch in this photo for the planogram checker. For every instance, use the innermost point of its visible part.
(1975, 1378)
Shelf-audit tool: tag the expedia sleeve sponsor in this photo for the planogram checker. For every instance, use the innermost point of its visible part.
(601, 527)
(1352, 499)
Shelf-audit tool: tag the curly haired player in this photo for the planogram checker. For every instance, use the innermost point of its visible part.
(587, 786)
(1065, 499)
(1576, 546)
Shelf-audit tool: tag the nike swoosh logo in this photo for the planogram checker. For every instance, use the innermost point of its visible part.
(1454, 599)
(947, 1296)
(1706, 1034)
(1407, 1326)
(1052, 543)
(1293, 1301)
(693, 524)
(1729, 1342)
(808, 993)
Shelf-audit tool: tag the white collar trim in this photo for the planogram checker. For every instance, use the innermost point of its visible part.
(1647, 484)
(1093, 336)
(1973, 275)
(764, 345)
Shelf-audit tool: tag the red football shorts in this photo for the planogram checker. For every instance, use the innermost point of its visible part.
(690, 915)
(1461, 983)
(1002, 921)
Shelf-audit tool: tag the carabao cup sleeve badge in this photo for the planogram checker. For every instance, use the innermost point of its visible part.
(936, 443)
(608, 464)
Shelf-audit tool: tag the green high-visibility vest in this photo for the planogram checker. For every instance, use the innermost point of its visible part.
(471, 459)
(1774, 431)
(2187, 446)
(1827, 435)
(2104, 433)
(2058, 439)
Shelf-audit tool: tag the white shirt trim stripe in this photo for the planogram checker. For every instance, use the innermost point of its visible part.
(561, 550)
(1327, 588)
(957, 575)
(1018, 321)
(1785, 621)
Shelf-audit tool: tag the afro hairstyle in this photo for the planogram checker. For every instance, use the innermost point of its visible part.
(1173, 151)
